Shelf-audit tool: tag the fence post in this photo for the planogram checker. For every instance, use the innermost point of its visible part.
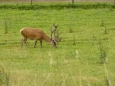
(114, 2)
(72, 1)
(31, 2)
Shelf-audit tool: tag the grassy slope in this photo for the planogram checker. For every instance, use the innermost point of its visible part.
(58, 67)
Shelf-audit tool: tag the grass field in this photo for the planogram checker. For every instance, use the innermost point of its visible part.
(89, 62)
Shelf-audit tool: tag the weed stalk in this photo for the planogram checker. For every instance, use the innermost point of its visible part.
(107, 80)
(102, 23)
(70, 29)
(103, 53)
(105, 30)
(93, 39)
(5, 26)
(74, 43)
(7, 79)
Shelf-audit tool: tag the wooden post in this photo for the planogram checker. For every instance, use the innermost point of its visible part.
(114, 2)
(72, 1)
(31, 2)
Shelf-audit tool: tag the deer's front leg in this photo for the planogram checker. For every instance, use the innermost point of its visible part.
(35, 43)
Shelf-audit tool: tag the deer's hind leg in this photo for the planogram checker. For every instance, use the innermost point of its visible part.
(41, 43)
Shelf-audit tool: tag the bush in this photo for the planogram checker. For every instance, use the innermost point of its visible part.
(56, 6)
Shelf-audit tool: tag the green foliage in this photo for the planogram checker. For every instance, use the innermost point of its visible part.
(57, 6)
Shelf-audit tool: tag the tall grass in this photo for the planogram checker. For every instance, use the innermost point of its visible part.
(4, 77)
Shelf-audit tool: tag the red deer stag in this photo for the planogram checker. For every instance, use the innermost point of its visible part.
(37, 34)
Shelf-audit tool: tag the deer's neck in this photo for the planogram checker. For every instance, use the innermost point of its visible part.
(46, 38)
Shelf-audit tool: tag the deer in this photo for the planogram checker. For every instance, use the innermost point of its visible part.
(39, 35)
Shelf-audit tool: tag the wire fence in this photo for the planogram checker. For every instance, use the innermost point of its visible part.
(76, 0)
(72, 1)
(60, 0)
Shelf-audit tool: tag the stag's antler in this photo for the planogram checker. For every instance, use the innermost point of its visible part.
(52, 31)
(56, 34)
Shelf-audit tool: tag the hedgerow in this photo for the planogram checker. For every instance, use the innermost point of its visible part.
(56, 6)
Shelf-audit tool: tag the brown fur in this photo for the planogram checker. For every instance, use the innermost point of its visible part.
(35, 34)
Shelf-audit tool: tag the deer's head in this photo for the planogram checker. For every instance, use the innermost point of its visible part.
(56, 37)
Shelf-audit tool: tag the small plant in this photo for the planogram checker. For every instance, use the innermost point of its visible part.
(105, 30)
(107, 79)
(103, 53)
(17, 6)
(93, 39)
(7, 79)
(77, 53)
(102, 23)
(74, 43)
(70, 29)
(5, 26)
(1, 75)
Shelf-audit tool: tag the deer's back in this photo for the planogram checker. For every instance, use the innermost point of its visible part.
(32, 33)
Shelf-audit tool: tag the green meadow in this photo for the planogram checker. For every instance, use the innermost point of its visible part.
(84, 57)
